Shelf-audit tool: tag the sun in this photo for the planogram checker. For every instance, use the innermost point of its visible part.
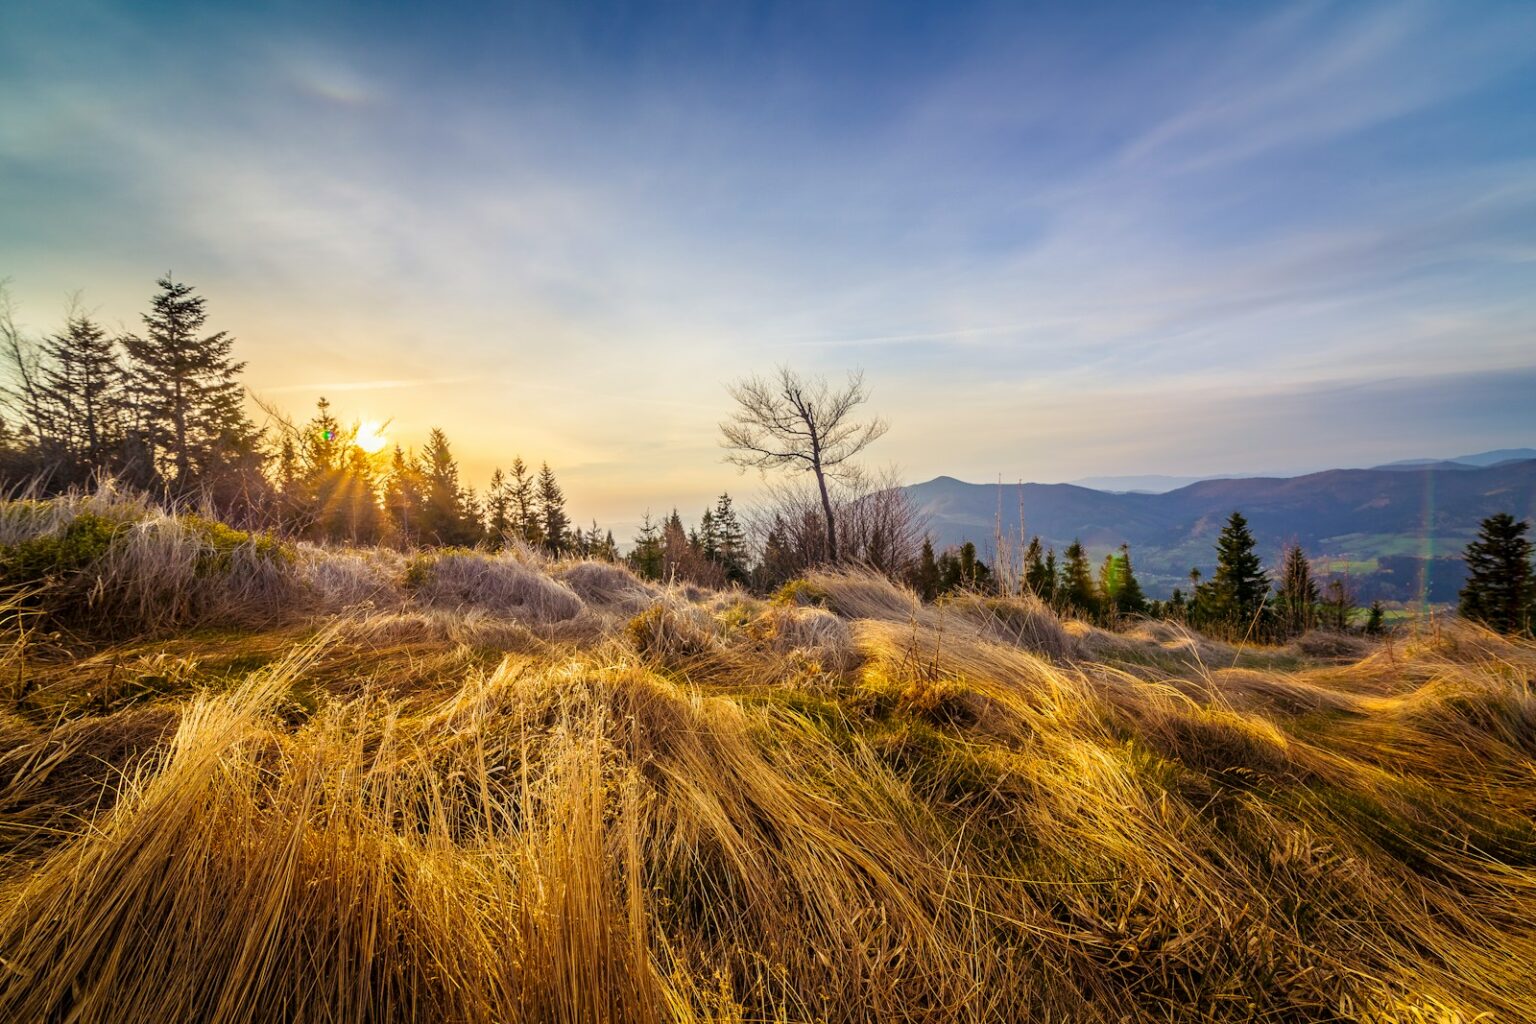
(370, 437)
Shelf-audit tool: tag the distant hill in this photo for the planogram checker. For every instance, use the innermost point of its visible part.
(1151, 483)
(1159, 483)
(1398, 532)
(1480, 460)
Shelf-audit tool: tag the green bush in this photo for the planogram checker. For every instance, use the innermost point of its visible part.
(60, 555)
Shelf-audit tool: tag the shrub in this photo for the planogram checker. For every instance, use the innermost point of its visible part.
(83, 542)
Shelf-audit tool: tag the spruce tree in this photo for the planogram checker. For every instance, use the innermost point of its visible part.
(405, 497)
(1338, 604)
(553, 521)
(778, 563)
(1129, 598)
(1109, 585)
(1240, 586)
(925, 577)
(950, 576)
(708, 539)
(646, 558)
(1501, 586)
(189, 387)
(447, 514)
(731, 541)
(1296, 600)
(1036, 577)
(498, 510)
(522, 497)
(1375, 622)
(330, 491)
(82, 380)
(1075, 589)
(968, 564)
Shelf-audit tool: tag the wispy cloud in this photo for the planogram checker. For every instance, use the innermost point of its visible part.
(551, 242)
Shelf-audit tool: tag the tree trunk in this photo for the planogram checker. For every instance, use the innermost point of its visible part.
(826, 508)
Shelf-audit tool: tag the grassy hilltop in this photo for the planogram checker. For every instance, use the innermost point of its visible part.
(246, 780)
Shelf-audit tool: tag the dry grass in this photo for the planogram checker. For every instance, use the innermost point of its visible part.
(458, 802)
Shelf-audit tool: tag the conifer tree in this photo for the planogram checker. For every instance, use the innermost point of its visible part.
(1296, 599)
(925, 577)
(968, 563)
(522, 497)
(1501, 587)
(677, 552)
(405, 497)
(189, 386)
(81, 378)
(447, 513)
(1036, 578)
(708, 543)
(1238, 590)
(778, 562)
(1338, 604)
(1119, 589)
(646, 558)
(1109, 585)
(1375, 622)
(730, 541)
(553, 521)
(1075, 590)
(498, 510)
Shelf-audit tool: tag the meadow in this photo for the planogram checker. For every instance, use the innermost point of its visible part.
(243, 779)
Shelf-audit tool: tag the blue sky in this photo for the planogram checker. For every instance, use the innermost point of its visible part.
(1061, 240)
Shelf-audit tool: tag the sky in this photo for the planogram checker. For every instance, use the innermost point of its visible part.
(1060, 240)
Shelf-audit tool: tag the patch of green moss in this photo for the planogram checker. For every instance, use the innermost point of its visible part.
(801, 592)
(736, 616)
(221, 541)
(82, 543)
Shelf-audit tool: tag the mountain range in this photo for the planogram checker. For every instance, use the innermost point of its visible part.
(1397, 531)
(1158, 483)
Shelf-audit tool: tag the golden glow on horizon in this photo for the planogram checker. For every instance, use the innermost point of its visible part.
(370, 437)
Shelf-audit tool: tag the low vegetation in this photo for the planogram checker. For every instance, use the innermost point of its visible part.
(244, 779)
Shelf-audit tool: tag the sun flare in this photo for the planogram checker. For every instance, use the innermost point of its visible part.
(370, 437)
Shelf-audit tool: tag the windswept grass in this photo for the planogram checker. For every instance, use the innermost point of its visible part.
(478, 788)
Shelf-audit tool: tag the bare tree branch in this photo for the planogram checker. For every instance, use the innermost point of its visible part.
(789, 421)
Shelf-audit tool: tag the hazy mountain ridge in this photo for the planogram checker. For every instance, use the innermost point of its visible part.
(1161, 483)
(1398, 532)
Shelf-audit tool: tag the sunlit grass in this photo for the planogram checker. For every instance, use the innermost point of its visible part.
(460, 796)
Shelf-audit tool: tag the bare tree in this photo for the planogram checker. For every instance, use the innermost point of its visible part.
(792, 421)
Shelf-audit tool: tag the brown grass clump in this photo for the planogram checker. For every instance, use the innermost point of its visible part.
(449, 811)
(806, 633)
(336, 580)
(608, 585)
(671, 635)
(503, 584)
